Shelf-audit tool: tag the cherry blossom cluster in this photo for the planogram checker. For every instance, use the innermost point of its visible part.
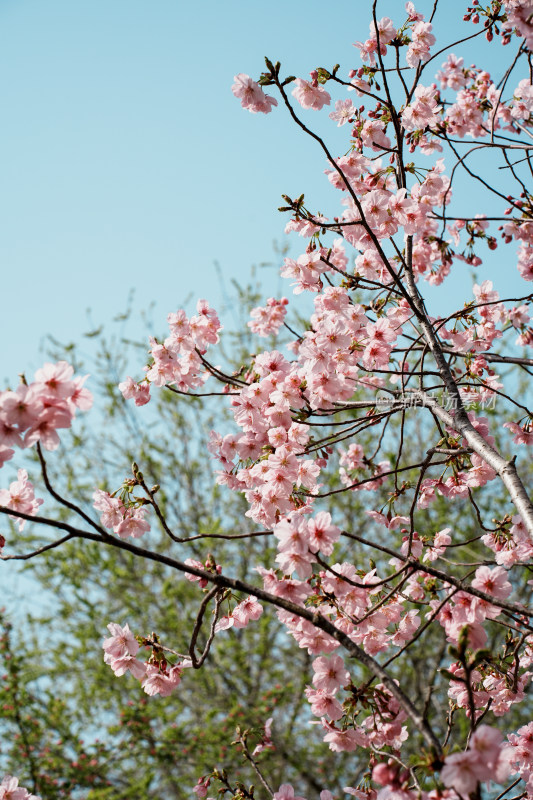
(246, 611)
(486, 686)
(343, 339)
(328, 369)
(484, 760)
(351, 349)
(267, 320)
(465, 612)
(393, 625)
(126, 519)
(21, 497)
(511, 543)
(519, 754)
(423, 112)
(457, 485)
(488, 758)
(155, 675)
(384, 32)
(251, 95)
(519, 17)
(178, 360)
(382, 727)
(310, 95)
(35, 412)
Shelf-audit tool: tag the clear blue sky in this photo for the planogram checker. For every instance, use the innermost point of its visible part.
(126, 161)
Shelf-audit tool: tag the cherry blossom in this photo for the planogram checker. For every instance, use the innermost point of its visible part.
(309, 96)
(10, 790)
(251, 95)
(21, 497)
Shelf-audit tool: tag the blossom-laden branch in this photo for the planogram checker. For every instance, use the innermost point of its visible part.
(223, 582)
(333, 402)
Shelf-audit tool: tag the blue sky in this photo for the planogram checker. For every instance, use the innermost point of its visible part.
(127, 162)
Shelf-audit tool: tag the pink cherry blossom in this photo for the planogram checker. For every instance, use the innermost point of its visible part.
(460, 772)
(309, 96)
(140, 392)
(523, 435)
(344, 112)
(125, 521)
(492, 581)
(246, 611)
(266, 742)
(122, 642)
(268, 320)
(159, 681)
(423, 112)
(483, 761)
(422, 39)
(286, 792)
(132, 525)
(330, 674)
(21, 497)
(322, 534)
(251, 95)
(125, 663)
(324, 704)
(10, 790)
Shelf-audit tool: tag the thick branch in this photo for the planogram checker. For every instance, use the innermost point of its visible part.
(237, 585)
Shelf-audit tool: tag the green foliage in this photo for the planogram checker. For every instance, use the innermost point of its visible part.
(69, 727)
